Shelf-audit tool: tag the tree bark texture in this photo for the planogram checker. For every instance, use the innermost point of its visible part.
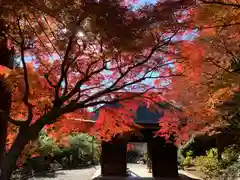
(25, 134)
(6, 59)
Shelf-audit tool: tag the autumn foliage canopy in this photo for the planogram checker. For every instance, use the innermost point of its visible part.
(76, 55)
(84, 61)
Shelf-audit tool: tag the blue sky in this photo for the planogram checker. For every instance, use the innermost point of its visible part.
(142, 2)
(146, 1)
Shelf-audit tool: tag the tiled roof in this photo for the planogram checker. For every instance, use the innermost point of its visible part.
(143, 115)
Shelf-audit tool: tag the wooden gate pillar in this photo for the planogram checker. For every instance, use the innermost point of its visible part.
(164, 158)
(113, 159)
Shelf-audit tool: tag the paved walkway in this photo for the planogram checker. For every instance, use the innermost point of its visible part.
(141, 171)
(89, 173)
(76, 174)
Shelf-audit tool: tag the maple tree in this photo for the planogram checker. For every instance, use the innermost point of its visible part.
(85, 62)
(220, 36)
(206, 99)
(82, 54)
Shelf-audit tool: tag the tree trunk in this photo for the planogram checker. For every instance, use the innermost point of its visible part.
(10, 159)
(220, 147)
(5, 105)
(6, 59)
(24, 136)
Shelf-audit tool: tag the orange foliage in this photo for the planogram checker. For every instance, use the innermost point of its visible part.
(4, 71)
(192, 55)
(209, 59)
(83, 57)
(111, 122)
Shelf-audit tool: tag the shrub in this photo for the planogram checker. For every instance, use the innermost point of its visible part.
(79, 149)
(47, 144)
(209, 164)
(231, 154)
(145, 157)
(188, 161)
(86, 146)
(225, 169)
(231, 173)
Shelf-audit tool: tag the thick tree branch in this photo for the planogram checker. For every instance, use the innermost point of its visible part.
(65, 91)
(15, 122)
(49, 82)
(139, 94)
(66, 75)
(27, 90)
(57, 100)
(124, 74)
(77, 86)
(92, 99)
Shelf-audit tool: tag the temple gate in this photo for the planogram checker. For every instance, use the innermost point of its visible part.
(162, 154)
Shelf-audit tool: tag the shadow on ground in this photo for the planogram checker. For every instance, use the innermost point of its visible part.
(136, 177)
(184, 177)
(53, 174)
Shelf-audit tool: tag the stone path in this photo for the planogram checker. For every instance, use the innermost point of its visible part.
(194, 171)
(76, 174)
(141, 171)
(89, 173)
